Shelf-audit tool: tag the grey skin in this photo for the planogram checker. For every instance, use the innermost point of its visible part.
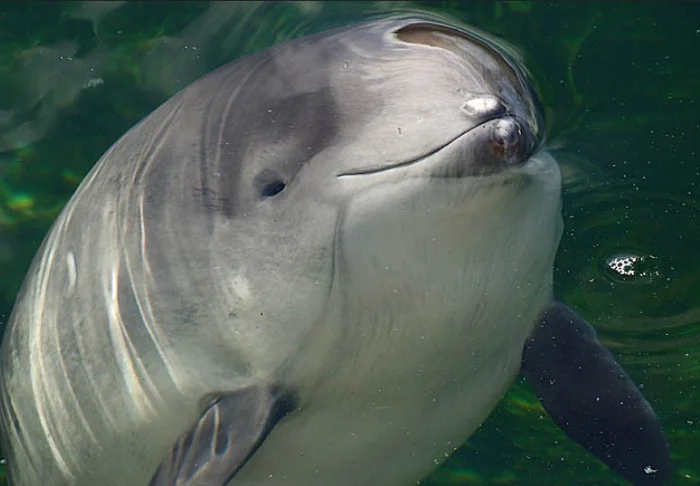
(318, 265)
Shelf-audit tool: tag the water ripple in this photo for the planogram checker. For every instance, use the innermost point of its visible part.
(630, 259)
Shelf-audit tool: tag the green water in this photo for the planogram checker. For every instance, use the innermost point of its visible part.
(621, 86)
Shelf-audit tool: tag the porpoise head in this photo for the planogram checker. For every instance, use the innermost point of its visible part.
(394, 166)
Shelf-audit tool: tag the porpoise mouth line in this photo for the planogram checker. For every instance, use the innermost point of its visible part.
(416, 160)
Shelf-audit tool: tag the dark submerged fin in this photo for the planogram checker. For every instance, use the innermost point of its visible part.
(228, 433)
(591, 398)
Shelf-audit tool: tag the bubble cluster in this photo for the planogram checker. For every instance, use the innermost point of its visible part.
(624, 265)
(632, 267)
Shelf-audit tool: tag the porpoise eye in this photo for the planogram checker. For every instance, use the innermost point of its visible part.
(268, 183)
(272, 188)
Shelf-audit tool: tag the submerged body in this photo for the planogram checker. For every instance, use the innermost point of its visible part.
(359, 221)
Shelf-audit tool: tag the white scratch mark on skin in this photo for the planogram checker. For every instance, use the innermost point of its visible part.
(42, 384)
(159, 339)
(72, 274)
(130, 364)
(240, 286)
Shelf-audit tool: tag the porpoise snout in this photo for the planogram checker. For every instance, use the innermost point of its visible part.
(501, 112)
(509, 143)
